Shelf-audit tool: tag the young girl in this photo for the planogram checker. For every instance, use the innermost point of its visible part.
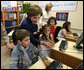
(52, 22)
(65, 32)
(46, 36)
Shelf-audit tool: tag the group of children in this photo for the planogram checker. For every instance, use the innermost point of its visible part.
(25, 52)
(30, 44)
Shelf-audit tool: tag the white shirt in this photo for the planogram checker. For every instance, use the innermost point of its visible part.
(43, 20)
(61, 35)
(26, 59)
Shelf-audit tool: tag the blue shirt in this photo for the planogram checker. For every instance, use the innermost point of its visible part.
(29, 26)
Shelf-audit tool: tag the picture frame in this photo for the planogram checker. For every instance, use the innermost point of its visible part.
(62, 16)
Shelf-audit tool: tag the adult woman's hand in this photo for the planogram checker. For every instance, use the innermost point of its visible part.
(47, 44)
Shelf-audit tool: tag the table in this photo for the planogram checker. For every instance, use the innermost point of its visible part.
(71, 57)
(39, 64)
(70, 51)
(72, 39)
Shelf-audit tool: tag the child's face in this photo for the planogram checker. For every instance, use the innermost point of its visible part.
(52, 22)
(47, 31)
(69, 25)
(35, 19)
(25, 42)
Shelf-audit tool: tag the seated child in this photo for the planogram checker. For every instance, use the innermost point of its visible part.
(65, 32)
(46, 36)
(25, 53)
(52, 22)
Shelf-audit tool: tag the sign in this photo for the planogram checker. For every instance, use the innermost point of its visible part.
(60, 5)
(6, 3)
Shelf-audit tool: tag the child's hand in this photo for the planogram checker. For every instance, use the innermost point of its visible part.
(10, 46)
(35, 33)
(75, 37)
(47, 62)
(47, 35)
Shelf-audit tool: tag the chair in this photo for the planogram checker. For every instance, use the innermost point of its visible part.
(58, 28)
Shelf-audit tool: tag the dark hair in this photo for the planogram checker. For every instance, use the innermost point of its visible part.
(34, 10)
(65, 25)
(21, 34)
(43, 29)
(51, 18)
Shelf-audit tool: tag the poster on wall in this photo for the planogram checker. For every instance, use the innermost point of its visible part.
(6, 3)
(61, 16)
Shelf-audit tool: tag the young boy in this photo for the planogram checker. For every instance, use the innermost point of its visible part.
(24, 54)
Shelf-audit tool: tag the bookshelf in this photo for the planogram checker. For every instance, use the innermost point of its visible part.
(16, 18)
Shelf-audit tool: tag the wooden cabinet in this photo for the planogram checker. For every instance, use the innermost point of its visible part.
(16, 18)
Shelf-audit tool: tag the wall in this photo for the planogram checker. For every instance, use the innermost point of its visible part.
(75, 17)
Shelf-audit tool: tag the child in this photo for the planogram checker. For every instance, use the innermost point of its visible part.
(65, 32)
(46, 36)
(52, 22)
(25, 53)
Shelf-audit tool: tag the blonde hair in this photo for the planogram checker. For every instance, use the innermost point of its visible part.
(49, 5)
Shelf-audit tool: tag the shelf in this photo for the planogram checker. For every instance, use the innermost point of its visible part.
(13, 11)
(11, 20)
(21, 11)
(16, 18)
(10, 11)
(12, 27)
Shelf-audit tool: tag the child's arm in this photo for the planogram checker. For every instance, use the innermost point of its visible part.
(43, 57)
(68, 35)
(40, 37)
(51, 40)
(47, 44)
(13, 61)
(35, 33)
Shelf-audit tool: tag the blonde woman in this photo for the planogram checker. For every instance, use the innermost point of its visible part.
(46, 14)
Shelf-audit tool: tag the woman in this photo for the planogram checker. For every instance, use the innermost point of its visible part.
(30, 23)
(46, 14)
